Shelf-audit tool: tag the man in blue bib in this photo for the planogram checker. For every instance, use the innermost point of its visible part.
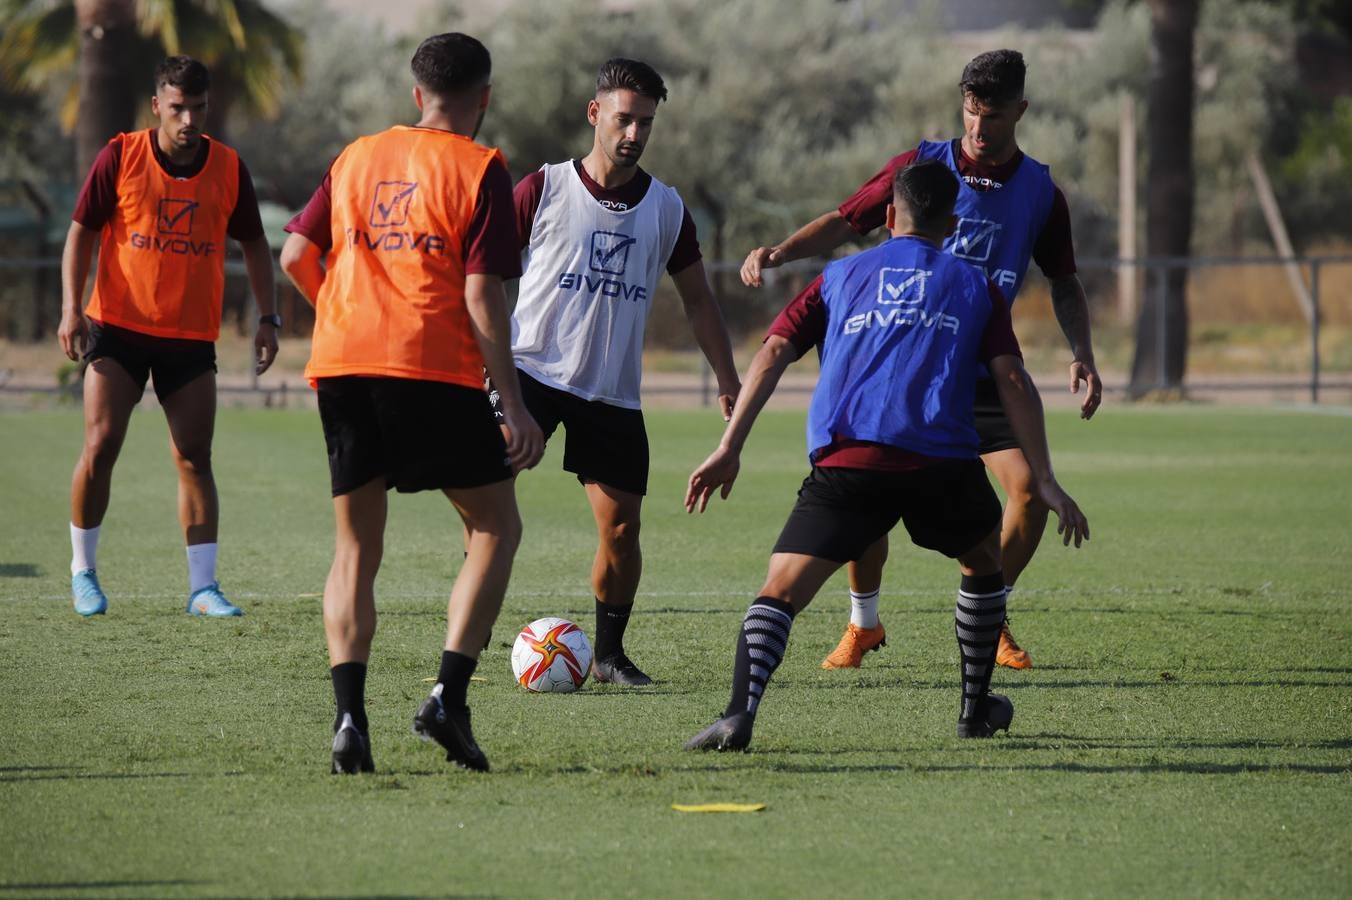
(902, 330)
(1009, 214)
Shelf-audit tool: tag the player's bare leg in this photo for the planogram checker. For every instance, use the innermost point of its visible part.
(615, 575)
(349, 592)
(793, 580)
(350, 616)
(110, 395)
(492, 535)
(1025, 519)
(865, 631)
(191, 413)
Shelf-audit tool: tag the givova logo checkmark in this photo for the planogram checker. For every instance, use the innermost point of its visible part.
(902, 287)
(390, 204)
(975, 238)
(175, 216)
(610, 252)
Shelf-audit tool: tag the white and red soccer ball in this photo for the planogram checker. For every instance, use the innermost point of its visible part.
(551, 655)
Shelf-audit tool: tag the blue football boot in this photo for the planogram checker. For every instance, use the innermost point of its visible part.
(209, 601)
(89, 597)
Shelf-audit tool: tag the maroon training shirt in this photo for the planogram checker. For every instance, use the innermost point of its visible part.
(490, 242)
(529, 190)
(1054, 253)
(803, 323)
(98, 197)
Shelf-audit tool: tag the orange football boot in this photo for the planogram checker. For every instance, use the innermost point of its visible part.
(1009, 653)
(853, 645)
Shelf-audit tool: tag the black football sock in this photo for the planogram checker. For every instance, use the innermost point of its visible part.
(456, 668)
(760, 648)
(349, 693)
(611, 621)
(976, 620)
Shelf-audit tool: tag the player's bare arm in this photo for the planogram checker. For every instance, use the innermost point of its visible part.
(817, 238)
(73, 332)
(1023, 406)
(486, 301)
(706, 321)
(303, 263)
(258, 263)
(1072, 314)
(721, 468)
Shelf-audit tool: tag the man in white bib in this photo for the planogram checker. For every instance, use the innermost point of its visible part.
(596, 234)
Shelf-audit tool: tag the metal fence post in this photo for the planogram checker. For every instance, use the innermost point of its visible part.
(1161, 326)
(1314, 331)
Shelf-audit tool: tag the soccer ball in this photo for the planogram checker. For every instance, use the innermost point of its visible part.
(551, 655)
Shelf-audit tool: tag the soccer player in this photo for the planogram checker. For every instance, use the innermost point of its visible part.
(159, 203)
(595, 234)
(410, 308)
(1009, 212)
(906, 321)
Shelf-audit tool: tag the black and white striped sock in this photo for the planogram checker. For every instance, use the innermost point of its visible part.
(977, 618)
(760, 648)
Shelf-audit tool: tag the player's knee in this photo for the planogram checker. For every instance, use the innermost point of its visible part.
(101, 449)
(193, 460)
(621, 538)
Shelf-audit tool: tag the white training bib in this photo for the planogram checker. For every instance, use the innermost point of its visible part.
(588, 282)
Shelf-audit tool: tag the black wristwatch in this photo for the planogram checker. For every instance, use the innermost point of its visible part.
(272, 319)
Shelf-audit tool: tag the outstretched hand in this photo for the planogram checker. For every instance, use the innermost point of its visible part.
(757, 260)
(1071, 523)
(718, 471)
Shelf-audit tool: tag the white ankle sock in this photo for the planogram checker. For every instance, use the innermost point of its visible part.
(864, 609)
(84, 544)
(201, 566)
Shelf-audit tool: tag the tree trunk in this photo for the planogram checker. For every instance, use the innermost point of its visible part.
(109, 87)
(1162, 327)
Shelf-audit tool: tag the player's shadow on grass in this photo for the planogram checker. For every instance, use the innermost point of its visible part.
(1031, 742)
(1076, 768)
(19, 570)
(70, 773)
(97, 885)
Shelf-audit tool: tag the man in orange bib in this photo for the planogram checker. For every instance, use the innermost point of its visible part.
(403, 251)
(159, 203)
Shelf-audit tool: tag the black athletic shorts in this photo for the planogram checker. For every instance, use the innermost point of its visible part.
(172, 362)
(604, 443)
(418, 435)
(993, 430)
(840, 513)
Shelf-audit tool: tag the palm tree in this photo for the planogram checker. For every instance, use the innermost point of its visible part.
(113, 45)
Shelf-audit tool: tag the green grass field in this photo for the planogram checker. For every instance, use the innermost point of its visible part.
(1187, 730)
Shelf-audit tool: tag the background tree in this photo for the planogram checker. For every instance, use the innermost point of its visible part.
(1162, 328)
(115, 44)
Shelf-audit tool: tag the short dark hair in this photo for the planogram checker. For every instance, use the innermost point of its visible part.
(995, 77)
(447, 64)
(928, 190)
(184, 73)
(620, 74)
